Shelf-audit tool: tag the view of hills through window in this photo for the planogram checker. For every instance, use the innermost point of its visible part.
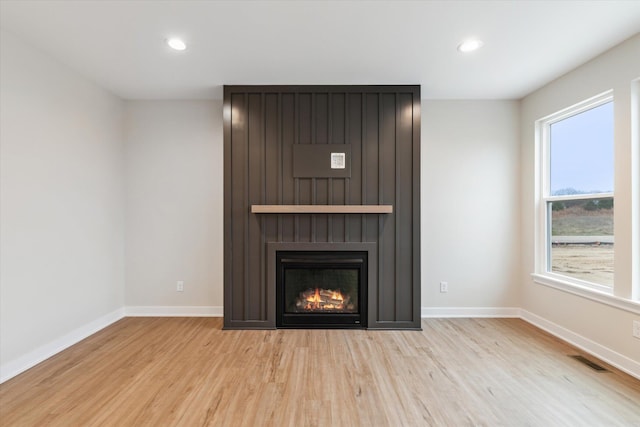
(581, 228)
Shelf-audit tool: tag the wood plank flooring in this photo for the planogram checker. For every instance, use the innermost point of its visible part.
(189, 372)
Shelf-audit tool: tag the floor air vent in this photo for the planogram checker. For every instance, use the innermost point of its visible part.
(589, 363)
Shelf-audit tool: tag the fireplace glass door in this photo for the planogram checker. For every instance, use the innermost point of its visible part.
(321, 289)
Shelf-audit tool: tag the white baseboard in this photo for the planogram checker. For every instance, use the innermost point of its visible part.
(40, 354)
(173, 311)
(470, 312)
(630, 366)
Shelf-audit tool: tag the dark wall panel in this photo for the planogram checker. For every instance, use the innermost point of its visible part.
(387, 195)
(381, 124)
(404, 237)
(255, 173)
(353, 195)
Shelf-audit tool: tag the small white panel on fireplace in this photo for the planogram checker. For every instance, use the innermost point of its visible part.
(338, 160)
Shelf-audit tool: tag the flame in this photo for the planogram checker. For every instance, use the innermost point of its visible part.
(315, 299)
(323, 299)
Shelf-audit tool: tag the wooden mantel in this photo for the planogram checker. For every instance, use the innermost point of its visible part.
(321, 209)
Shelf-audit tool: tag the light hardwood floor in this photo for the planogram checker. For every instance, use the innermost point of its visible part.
(189, 372)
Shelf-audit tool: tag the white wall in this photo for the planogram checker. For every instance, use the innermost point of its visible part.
(470, 205)
(174, 209)
(592, 324)
(61, 204)
(174, 206)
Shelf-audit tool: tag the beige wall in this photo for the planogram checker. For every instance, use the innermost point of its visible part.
(61, 201)
(592, 321)
(174, 203)
(470, 203)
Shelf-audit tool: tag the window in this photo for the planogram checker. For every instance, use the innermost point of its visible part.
(577, 200)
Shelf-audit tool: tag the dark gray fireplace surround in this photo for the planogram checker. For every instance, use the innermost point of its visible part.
(279, 147)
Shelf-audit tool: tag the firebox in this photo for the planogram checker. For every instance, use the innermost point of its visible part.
(321, 289)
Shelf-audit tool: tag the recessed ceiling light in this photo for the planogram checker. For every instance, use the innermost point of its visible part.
(470, 45)
(176, 43)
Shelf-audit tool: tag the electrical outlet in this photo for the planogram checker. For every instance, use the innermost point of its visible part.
(444, 287)
(636, 328)
(180, 286)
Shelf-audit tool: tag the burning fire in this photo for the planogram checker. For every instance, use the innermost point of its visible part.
(323, 300)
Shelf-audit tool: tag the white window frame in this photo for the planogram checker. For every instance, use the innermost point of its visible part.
(543, 273)
(635, 189)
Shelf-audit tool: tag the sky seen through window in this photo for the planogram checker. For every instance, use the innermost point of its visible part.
(581, 148)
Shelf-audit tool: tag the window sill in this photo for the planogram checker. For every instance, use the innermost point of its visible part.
(588, 293)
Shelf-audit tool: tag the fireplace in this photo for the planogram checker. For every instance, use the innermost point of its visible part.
(321, 289)
(285, 191)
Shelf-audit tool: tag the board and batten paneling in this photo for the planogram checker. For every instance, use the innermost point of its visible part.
(382, 126)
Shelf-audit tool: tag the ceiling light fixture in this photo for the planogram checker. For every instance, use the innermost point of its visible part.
(470, 45)
(176, 44)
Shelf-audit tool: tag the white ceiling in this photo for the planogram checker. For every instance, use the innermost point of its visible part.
(120, 43)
